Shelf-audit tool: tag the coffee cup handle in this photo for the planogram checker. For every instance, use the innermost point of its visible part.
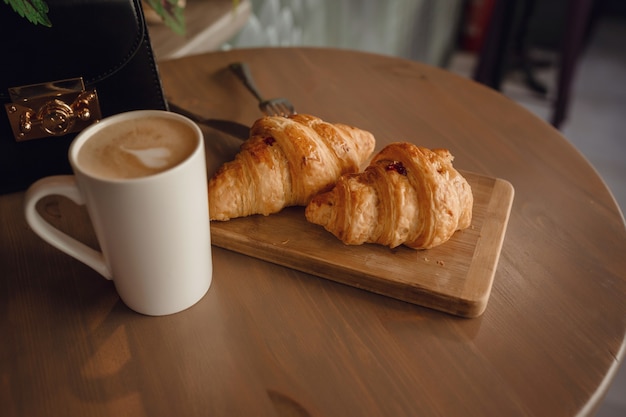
(64, 185)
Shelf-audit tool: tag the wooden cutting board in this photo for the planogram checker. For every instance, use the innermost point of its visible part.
(455, 277)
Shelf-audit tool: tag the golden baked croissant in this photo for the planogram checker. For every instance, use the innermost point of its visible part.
(407, 195)
(285, 162)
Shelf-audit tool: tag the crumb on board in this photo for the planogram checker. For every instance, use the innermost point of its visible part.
(439, 262)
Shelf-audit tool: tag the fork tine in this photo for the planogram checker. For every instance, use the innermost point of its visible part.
(269, 108)
(277, 107)
(284, 108)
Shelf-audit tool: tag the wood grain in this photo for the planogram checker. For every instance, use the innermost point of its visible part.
(455, 277)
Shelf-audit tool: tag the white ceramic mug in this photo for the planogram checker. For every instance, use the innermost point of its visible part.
(153, 228)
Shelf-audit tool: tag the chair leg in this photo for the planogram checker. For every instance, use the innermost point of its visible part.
(578, 19)
(492, 60)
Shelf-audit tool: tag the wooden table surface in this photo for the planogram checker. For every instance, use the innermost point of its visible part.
(270, 341)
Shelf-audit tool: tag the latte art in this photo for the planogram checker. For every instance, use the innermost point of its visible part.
(137, 148)
(152, 157)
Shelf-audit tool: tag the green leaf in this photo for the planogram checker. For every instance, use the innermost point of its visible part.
(36, 11)
(171, 13)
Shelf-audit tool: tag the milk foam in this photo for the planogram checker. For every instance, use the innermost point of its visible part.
(137, 148)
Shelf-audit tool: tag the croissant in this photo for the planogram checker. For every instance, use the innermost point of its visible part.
(407, 195)
(285, 162)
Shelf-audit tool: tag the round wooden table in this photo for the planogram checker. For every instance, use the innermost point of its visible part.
(268, 340)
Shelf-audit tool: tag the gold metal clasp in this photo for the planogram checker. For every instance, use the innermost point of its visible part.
(49, 109)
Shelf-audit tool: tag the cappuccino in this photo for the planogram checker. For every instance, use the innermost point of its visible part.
(137, 148)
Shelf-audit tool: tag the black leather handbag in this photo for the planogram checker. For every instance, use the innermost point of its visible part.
(95, 60)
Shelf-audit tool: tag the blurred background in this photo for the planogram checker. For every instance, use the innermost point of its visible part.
(561, 59)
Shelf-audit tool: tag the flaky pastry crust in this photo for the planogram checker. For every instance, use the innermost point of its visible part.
(407, 195)
(285, 162)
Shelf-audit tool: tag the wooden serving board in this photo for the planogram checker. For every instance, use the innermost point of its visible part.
(455, 277)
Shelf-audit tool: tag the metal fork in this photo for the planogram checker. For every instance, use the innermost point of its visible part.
(272, 107)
